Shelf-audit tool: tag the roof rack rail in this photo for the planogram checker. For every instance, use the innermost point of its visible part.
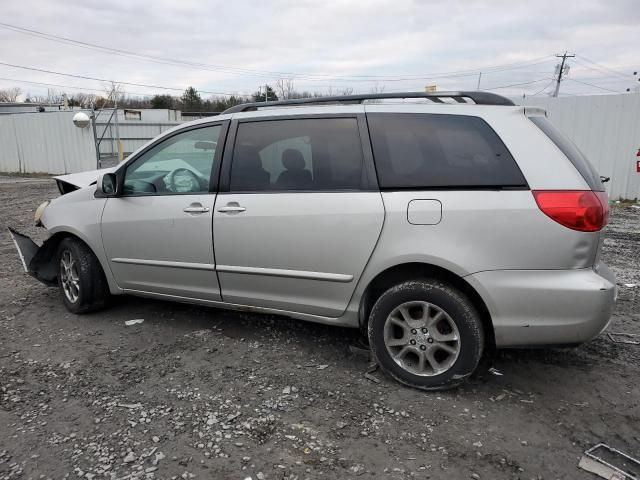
(479, 98)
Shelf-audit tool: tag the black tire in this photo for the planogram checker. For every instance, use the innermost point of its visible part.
(460, 311)
(93, 290)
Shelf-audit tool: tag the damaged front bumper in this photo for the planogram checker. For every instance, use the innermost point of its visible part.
(38, 261)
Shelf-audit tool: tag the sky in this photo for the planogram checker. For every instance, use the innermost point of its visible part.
(326, 46)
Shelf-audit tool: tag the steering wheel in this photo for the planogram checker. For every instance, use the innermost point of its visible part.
(183, 180)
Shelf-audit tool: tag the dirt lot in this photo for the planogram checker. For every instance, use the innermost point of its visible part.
(202, 393)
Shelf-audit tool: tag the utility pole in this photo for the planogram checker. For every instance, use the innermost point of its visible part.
(564, 57)
(479, 78)
(266, 93)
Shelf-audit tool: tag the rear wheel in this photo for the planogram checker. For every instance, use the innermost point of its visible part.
(80, 277)
(426, 334)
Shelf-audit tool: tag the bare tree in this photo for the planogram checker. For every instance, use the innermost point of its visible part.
(346, 91)
(377, 88)
(54, 96)
(29, 98)
(284, 88)
(10, 94)
(85, 99)
(114, 92)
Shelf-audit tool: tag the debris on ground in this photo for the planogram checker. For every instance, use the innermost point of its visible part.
(610, 463)
(136, 321)
(361, 352)
(495, 371)
(615, 337)
(368, 373)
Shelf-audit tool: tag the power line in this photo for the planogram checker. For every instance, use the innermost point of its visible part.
(602, 67)
(68, 86)
(593, 68)
(544, 88)
(107, 80)
(595, 86)
(518, 84)
(267, 73)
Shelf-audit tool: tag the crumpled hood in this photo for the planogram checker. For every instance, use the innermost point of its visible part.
(74, 181)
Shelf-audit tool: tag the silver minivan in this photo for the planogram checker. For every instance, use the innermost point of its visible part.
(440, 227)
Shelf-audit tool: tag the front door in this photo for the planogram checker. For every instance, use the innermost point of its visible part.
(300, 221)
(157, 235)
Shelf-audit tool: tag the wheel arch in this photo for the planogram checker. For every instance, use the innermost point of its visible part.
(420, 270)
(45, 258)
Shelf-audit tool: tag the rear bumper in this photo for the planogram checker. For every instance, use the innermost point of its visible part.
(547, 307)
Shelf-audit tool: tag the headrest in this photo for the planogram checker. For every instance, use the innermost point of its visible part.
(248, 157)
(292, 159)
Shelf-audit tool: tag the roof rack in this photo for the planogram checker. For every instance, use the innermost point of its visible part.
(479, 98)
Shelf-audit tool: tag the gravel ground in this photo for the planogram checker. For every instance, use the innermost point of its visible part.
(196, 392)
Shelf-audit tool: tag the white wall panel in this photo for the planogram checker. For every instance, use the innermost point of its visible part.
(45, 143)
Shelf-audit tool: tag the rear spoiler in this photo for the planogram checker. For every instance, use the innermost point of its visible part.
(535, 112)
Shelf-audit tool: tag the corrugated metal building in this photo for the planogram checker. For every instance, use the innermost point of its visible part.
(28, 107)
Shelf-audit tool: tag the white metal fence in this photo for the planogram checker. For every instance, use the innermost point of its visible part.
(46, 142)
(607, 130)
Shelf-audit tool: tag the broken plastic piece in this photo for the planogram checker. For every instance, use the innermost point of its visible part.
(128, 323)
(373, 366)
(36, 260)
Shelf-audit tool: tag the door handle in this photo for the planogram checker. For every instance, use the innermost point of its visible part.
(231, 207)
(195, 208)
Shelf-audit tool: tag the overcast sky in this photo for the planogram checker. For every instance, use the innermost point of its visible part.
(392, 44)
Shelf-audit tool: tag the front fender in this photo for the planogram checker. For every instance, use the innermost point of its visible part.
(77, 214)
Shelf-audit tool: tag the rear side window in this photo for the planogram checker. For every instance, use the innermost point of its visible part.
(572, 152)
(440, 151)
(304, 154)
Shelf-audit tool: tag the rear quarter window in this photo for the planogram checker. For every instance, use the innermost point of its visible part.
(440, 151)
(570, 151)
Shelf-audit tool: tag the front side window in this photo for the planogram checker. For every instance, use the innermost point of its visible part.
(181, 164)
(305, 154)
(440, 151)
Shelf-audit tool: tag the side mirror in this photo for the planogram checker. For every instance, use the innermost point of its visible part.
(106, 186)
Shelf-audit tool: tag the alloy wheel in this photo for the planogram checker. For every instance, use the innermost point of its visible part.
(69, 278)
(422, 338)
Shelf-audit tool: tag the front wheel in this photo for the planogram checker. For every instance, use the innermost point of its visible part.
(80, 277)
(426, 334)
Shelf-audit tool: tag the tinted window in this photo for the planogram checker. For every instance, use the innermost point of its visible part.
(572, 152)
(432, 150)
(180, 164)
(306, 154)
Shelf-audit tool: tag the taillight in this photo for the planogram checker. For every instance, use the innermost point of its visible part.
(585, 211)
